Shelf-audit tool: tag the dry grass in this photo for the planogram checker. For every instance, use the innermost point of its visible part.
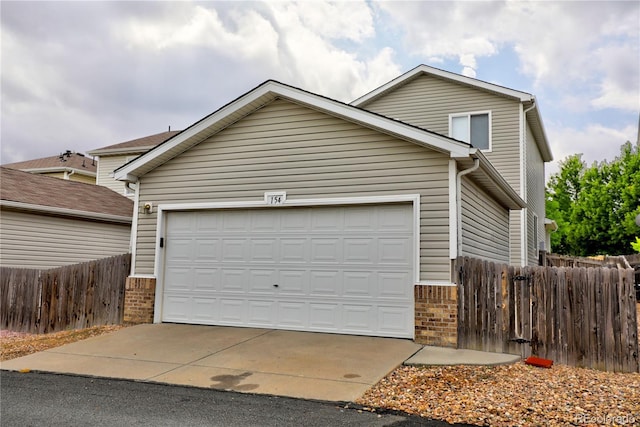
(14, 345)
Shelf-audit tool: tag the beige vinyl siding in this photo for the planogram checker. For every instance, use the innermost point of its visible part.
(106, 166)
(427, 101)
(515, 237)
(82, 178)
(485, 225)
(32, 240)
(535, 197)
(308, 154)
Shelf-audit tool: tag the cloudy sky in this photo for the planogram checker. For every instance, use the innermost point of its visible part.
(83, 75)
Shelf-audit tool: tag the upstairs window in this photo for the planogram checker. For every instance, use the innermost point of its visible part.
(474, 128)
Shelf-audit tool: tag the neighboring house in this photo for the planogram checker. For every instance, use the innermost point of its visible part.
(285, 209)
(114, 156)
(48, 222)
(68, 165)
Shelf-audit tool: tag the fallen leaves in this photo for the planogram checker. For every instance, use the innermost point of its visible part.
(14, 344)
(510, 395)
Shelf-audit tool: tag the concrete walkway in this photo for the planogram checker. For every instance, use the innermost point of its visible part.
(285, 363)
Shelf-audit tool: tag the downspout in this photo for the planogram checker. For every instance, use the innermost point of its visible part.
(134, 226)
(476, 165)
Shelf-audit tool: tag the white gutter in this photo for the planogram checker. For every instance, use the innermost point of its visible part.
(66, 212)
(524, 247)
(476, 165)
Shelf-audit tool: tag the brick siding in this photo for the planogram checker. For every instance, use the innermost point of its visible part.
(436, 315)
(139, 298)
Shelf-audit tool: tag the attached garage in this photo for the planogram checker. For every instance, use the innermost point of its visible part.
(341, 269)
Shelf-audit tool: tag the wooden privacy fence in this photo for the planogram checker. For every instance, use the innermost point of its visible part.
(574, 316)
(69, 297)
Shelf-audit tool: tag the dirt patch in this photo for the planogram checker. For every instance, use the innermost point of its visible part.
(17, 344)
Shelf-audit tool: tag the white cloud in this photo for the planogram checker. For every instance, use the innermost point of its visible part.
(557, 42)
(595, 142)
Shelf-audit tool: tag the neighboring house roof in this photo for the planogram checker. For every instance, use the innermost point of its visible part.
(529, 101)
(26, 191)
(271, 90)
(139, 145)
(70, 161)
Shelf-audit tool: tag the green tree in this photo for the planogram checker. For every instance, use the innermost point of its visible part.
(595, 207)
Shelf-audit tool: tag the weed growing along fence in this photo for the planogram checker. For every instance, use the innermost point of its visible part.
(573, 315)
(70, 297)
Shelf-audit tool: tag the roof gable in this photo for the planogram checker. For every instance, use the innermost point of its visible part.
(264, 94)
(526, 99)
(37, 192)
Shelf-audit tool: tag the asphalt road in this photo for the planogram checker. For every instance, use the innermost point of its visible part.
(39, 399)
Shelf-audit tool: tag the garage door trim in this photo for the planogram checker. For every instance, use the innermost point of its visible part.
(164, 209)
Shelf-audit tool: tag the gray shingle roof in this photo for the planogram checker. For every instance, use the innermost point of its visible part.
(142, 143)
(32, 189)
(73, 160)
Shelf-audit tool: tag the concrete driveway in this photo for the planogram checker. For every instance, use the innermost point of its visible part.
(285, 363)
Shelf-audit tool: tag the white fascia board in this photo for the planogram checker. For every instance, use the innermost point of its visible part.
(521, 96)
(60, 169)
(115, 151)
(271, 90)
(102, 217)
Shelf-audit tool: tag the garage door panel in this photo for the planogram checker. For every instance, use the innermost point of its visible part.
(207, 250)
(394, 320)
(359, 219)
(326, 250)
(181, 250)
(396, 252)
(232, 311)
(177, 308)
(294, 250)
(262, 281)
(292, 314)
(264, 250)
(395, 218)
(342, 269)
(235, 221)
(204, 309)
(261, 312)
(208, 222)
(325, 283)
(359, 250)
(206, 279)
(358, 318)
(180, 278)
(324, 316)
(293, 282)
(235, 250)
(233, 280)
(393, 285)
(359, 284)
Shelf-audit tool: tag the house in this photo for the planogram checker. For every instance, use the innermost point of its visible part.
(68, 165)
(114, 156)
(48, 222)
(285, 209)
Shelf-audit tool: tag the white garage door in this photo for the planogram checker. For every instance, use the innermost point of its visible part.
(341, 269)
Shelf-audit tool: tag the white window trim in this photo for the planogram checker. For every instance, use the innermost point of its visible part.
(468, 115)
(163, 209)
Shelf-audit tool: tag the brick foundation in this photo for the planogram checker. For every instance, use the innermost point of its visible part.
(139, 298)
(436, 315)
